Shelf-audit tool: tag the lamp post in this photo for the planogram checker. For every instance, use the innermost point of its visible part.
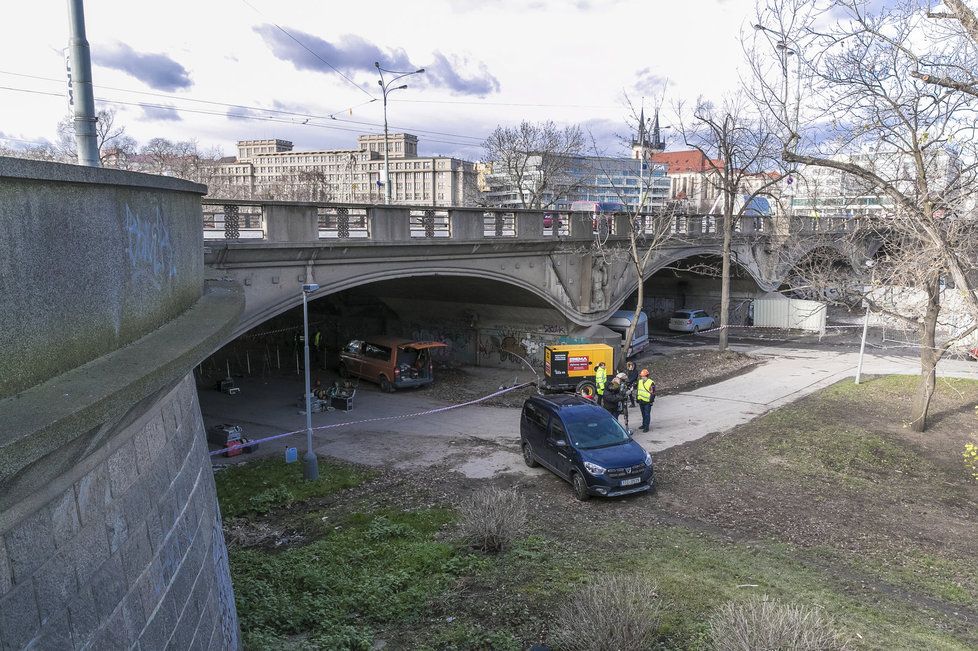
(310, 463)
(781, 45)
(386, 88)
(81, 87)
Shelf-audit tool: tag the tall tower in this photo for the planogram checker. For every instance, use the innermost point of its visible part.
(647, 142)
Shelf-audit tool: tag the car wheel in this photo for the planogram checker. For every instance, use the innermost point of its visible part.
(344, 373)
(528, 456)
(696, 329)
(385, 385)
(580, 488)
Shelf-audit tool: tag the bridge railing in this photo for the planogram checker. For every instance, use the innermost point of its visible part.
(279, 221)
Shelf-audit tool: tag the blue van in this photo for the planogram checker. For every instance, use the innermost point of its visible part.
(585, 445)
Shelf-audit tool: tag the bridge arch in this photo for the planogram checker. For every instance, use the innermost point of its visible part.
(742, 259)
(547, 298)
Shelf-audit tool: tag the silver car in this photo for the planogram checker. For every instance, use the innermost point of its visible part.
(691, 321)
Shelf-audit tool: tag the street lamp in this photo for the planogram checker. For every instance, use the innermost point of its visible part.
(310, 463)
(388, 87)
(781, 45)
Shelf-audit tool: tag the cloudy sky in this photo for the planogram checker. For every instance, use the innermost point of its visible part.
(223, 70)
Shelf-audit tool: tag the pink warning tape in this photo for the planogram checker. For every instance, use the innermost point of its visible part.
(377, 419)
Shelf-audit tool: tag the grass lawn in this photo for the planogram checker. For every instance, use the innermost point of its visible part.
(830, 501)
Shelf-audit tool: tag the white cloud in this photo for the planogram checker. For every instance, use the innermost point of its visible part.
(534, 60)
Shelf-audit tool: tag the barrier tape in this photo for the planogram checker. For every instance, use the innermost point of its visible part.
(374, 420)
(954, 353)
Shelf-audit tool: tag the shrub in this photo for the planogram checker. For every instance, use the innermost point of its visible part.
(971, 459)
(762, 623)
(615, 611)
(271, 498)
(492, 519)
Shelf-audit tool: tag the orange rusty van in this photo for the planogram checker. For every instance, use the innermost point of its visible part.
(391, 362)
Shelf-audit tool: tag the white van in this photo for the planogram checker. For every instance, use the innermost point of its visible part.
(620, 321)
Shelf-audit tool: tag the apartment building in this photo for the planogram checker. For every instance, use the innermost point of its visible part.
(581, 178)
(824, 192)
(272, 169)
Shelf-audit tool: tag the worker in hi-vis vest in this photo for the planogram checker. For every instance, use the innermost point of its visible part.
(600, 378)
(645, 396)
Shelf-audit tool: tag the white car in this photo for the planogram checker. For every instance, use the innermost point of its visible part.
(691, 321)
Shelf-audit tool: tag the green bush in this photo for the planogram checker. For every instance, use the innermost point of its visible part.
(260, 486)
(269, 498)
(332, 593)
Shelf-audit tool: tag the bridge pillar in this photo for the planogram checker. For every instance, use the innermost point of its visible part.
(529, 225)
(466, 224)
(290, 223)
(110, 536)
(581, 226)
(389, 224)
(622, 225)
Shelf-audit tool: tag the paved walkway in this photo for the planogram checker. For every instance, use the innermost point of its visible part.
(483, 441)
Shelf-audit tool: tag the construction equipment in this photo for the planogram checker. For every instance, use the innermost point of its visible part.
(230, 437)
(570, 367)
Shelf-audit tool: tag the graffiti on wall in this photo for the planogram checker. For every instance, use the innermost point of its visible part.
(149, 248)
(459, 346)
(512, 347)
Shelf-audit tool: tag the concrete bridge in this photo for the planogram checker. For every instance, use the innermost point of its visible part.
(270, 248)
(110, 535)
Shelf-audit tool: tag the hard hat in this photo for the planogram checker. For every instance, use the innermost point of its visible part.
(644, 372)
(621, 376)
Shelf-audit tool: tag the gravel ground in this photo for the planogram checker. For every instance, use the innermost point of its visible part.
(673, 373)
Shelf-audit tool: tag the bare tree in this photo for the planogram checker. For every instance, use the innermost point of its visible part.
(870, 107)
(742, 154)
(535, 160)
(648, 226)
(32, 151)
(115, 147)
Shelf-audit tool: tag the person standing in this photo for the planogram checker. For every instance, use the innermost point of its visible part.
(645, 395)
(631, 380)
(614, 398)
(600, 378)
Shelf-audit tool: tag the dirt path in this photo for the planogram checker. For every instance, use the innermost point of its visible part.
(482, 441)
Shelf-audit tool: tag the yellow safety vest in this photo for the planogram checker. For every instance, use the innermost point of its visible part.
(600, 379)
(645, 388)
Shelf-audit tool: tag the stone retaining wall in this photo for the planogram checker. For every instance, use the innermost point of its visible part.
(128, 551)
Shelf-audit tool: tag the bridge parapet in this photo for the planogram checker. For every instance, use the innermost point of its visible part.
(303, 222)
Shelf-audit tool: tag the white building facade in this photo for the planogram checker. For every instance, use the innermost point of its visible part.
(271, 169)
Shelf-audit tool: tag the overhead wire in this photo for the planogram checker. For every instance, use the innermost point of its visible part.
(309, 50)
(310, 116)
(242, 116)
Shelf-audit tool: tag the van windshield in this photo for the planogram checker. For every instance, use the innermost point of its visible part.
(596, 431)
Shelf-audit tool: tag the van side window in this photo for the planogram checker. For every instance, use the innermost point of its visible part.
(536, 416)
(557, 432)
(376, 352)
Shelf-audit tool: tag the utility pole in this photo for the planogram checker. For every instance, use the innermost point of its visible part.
(81, 85)
(310, 465)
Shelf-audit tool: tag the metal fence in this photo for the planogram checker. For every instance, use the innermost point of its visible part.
(430, 223)
(342, 222)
